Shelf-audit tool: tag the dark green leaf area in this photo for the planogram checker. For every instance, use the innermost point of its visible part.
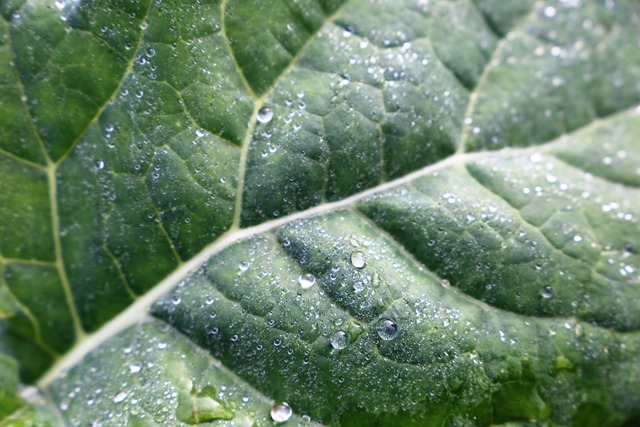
(361, 340)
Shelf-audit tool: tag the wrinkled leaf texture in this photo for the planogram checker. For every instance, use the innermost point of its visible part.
(407, 212)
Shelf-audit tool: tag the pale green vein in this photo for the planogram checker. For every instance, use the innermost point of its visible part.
(116, 263)
(20, 159)
(473, 97)
(227, 42)
(128, 71)
(139, 308)
(258, 105)
(53, 206)
(62, 272)
(35, 324)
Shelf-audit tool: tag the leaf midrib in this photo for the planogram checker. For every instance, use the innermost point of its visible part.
(137, 311)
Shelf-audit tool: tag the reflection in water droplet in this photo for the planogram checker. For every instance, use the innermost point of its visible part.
(547, 292)
(357, 259)
(307, 280)
(281, 412)
(339, 340)
(265, 115)
(387, 329)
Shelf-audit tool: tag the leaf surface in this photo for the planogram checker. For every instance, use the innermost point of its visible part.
(381, 213)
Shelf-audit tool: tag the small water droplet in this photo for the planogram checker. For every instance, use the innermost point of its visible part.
(244, 266)
(307, 280)
(120, 397)
(358, 286)
(339, 340)
(200, 133)
(547, 292)
(281, 412)
(100, 164)
(357, 259)
(265, 114)
(387, 329)
(550, 11)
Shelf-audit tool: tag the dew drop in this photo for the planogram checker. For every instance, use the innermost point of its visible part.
(265, 114)
(307, 280)
(200, 133)
(357, 259)
(100, 164)
(577, 238)
(339, 340)
(281, 412)
(387, 329)
(550, 11)
(358, 286)
(120, 397)
(244, 266)
(547, 292)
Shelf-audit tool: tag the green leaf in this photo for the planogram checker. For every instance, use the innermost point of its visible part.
(319, 212)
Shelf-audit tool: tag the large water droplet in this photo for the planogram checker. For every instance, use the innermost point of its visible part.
(547, 292)
(265, 114)
(281, 412)
(339, 340)
(357, 259)
(387, 329)
(307, 280)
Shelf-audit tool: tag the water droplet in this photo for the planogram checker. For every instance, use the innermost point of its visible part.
(265, 115)
(357, 259)
(151, 52)
(281, 412)
(387, 329)
(134, 368)
(307, 280)
(577, 238)
(120, 397)
(358, 286)
(339, 340)
(550, 11)
(100, 164)
(547, 292)
(60, 4)
(200, 133)
(244, 266)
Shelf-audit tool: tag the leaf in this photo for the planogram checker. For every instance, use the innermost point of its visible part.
(248, 212)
